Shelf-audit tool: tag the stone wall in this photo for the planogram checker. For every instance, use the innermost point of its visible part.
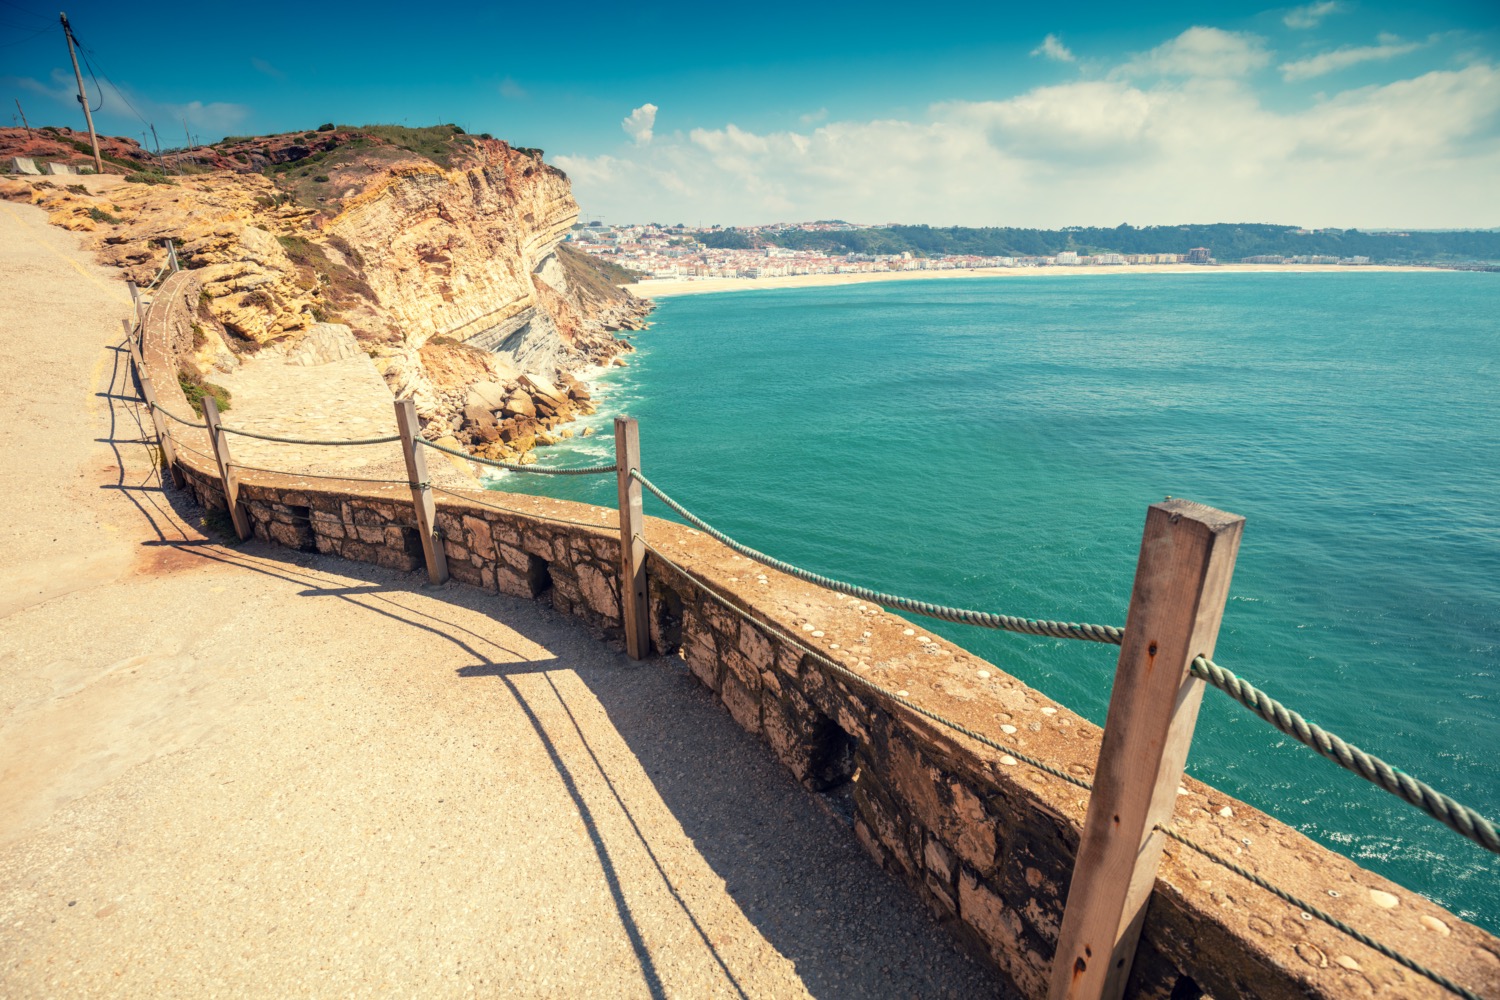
(986, 841)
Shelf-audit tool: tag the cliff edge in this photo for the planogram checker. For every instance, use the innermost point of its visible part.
(437, 253)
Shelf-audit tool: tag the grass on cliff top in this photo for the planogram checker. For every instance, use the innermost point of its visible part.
(437, 143)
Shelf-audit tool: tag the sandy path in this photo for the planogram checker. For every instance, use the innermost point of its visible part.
(253, 772)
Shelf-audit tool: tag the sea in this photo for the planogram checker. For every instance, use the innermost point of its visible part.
(993, 443)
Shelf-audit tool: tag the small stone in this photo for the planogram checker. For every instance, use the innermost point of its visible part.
(833, 645)
(1383, 899)
(864, 607)
(807, 627)
(904, 693)
(1346, 962)
(907, 631)
(1227, 812)
(1007, 729)
(817, 633)
(923, 639)
(1434, 924)
(1049, 711)
(1181, 790)
(984, 675)
(1008, 760)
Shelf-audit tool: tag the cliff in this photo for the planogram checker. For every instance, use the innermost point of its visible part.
(440, 252)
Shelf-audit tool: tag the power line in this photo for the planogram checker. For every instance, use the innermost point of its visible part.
(113, 86)
(17, 8)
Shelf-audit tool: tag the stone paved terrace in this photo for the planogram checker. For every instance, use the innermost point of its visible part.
(340, 400)
(239, 770)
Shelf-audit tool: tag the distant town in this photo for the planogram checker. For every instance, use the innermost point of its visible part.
(681, 252)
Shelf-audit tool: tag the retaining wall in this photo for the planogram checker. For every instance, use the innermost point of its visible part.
(987, 842)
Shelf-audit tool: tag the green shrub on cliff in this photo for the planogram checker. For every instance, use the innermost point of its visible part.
(194, 388)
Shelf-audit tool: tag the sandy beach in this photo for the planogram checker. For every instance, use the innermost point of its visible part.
(656, 288)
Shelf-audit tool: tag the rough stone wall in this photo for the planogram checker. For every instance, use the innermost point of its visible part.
(986, 841)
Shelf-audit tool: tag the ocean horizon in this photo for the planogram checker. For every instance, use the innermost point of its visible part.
(994, 444)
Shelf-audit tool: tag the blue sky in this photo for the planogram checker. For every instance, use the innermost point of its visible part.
(1329, 113)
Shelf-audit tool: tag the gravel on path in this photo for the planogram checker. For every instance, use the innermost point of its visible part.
(248, 771)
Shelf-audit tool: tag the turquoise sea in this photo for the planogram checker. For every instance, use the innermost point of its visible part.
(993, 443)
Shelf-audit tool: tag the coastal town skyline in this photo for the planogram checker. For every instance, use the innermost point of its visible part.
(1332, 112)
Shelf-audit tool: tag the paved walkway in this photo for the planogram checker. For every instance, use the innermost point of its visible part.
(251, 772)
(342, 400)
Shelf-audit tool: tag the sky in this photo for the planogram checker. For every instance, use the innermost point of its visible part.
(1336, 113)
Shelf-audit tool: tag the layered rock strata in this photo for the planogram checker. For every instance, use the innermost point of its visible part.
(445, 263)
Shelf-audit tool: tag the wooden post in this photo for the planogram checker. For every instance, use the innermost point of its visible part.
(634, 601)
(1181, 584)
(421, 492)
(135, 299)
(220, 446)
(163, 434)
(172, 254)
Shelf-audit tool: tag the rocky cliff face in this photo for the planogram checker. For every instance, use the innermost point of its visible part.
(441, 252)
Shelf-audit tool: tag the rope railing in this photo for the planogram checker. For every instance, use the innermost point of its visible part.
(865, 682)
(1452, 814)
(186, 423)
(983, 619)
(896, 698)
(587, 470)
(385, 439)
(1457, 817)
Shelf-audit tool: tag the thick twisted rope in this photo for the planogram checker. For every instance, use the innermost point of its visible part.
(864, 682)
(186, 423)
(588, 470)
(983, 619)
(1457, 817)
(164, 268)
(387, 439)
(1329, 919)
(912, 706)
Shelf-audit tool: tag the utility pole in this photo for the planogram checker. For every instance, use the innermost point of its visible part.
(155, 141)
(24, 123)
(83, 97)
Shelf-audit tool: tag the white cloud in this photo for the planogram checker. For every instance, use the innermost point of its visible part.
(511, 90)
(638, 125)
(263, 66)
(1417, 152)
(1311, 15)
(116, 114)
(1343, 58)
(813, 117)
(1053, 48)
(1202, 52)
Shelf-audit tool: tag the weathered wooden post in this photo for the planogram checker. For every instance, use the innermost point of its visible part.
(163, 433)
(172, 254)
(220, 446)
(634, 602)
(1181, 585)
(421, 492)
(135, 299)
